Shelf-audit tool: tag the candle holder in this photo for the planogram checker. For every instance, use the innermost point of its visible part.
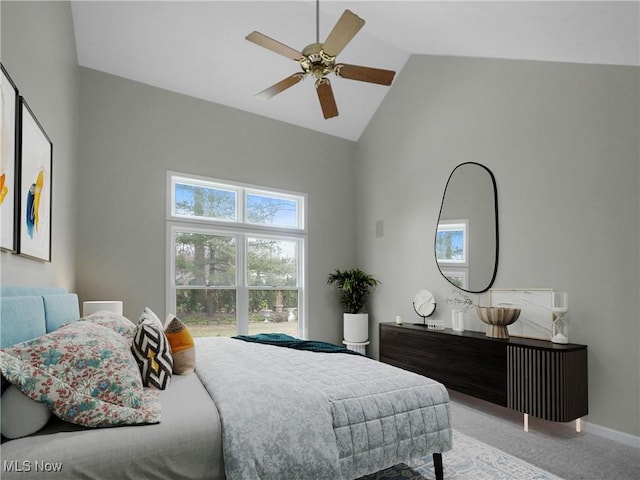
(559, 327)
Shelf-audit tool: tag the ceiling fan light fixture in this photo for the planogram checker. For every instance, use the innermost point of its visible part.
(315, 61)
(318, 59)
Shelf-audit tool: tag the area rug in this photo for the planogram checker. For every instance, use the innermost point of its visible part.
(469, 459)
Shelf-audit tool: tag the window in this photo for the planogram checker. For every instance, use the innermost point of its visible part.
(452, 242)
(457, 276)
(236, 257)
(199, 200)
(452, 251)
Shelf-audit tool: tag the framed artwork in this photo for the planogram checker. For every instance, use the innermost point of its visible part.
(535, 304)
(35, 170)
(8, 160)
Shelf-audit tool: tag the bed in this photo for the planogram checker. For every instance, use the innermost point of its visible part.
(251, 411)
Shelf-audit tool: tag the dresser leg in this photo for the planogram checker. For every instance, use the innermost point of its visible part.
(526, 422)
(437, 466)
(578, 425)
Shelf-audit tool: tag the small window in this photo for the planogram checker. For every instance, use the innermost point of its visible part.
(208, 201)
(452, 242)
(457, 276)
(276, 211)
(194, 199)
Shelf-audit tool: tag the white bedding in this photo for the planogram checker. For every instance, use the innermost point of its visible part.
(182, 446)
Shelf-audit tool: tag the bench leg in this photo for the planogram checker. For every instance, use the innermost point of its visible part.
(437, 466)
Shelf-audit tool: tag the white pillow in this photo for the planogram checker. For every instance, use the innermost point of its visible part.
(21, 416)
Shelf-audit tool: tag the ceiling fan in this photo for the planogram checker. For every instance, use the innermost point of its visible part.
(319, 60)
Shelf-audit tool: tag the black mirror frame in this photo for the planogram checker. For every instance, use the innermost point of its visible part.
(495, 203)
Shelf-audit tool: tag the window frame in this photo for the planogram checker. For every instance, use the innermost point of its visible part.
(200, 182)
(241, 190)
(298, 198)
(241, 230)
(455, 226)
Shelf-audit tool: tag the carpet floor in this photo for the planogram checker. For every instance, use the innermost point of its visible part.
(468, 460)
(490, 443)
(554, 447)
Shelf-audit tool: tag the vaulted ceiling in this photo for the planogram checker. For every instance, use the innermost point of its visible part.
(198, 48)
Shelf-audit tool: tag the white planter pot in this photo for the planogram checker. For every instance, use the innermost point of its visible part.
(356, 327)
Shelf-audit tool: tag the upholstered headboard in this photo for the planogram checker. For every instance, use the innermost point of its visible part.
(28, 312)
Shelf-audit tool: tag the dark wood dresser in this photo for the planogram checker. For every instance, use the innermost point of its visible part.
(535, 377)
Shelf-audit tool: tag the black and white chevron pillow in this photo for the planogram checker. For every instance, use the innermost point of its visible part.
(152, 352)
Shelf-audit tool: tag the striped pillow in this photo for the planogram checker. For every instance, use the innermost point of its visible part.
(153, 354)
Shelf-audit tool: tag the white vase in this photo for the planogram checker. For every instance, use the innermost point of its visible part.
(356, 327)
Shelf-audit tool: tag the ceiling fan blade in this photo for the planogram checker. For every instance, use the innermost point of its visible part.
(327, 100)
(274, 45)
(281, 86)
(364, 74)
(348, 25)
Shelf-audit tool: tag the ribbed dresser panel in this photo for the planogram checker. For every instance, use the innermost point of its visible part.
(546, 383)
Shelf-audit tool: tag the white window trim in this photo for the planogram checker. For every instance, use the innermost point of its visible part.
(173, 179)
(241, 190)
(450, 225)
(300, 220)
(240, 230)
(461, 273)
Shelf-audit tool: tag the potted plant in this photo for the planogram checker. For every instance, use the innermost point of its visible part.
(354, 287)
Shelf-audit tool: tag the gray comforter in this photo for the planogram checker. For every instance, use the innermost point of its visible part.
(289, 414)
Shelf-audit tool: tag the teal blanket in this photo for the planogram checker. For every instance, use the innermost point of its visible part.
(284, 340)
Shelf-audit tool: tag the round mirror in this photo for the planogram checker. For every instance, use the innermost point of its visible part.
(466, 244)
(424, 304)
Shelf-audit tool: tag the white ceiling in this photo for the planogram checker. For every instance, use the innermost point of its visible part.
(198, 48)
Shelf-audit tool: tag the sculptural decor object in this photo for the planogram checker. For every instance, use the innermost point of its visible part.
(560, 307)
(497, 319)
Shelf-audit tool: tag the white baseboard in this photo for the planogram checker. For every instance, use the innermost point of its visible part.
(610, 434)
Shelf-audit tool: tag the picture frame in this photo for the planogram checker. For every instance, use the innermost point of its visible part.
(8, 160)
(536, 316)
(35, 179)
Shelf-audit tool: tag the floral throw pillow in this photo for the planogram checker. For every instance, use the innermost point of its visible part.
(85, 373)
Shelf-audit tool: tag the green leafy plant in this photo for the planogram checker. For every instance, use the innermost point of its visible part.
(354, 287)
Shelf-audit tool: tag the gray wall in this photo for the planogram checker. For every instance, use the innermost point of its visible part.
(131, 134)
(38, 51)
(562, 141)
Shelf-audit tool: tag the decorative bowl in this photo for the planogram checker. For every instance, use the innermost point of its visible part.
(497, 319)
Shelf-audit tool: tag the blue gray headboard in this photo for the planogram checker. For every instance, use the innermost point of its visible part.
(28, 312)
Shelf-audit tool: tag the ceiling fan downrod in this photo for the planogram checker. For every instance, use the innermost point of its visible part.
(317, 21)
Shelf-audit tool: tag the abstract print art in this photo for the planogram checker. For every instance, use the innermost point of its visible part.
(8, 116)
(35, 187)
